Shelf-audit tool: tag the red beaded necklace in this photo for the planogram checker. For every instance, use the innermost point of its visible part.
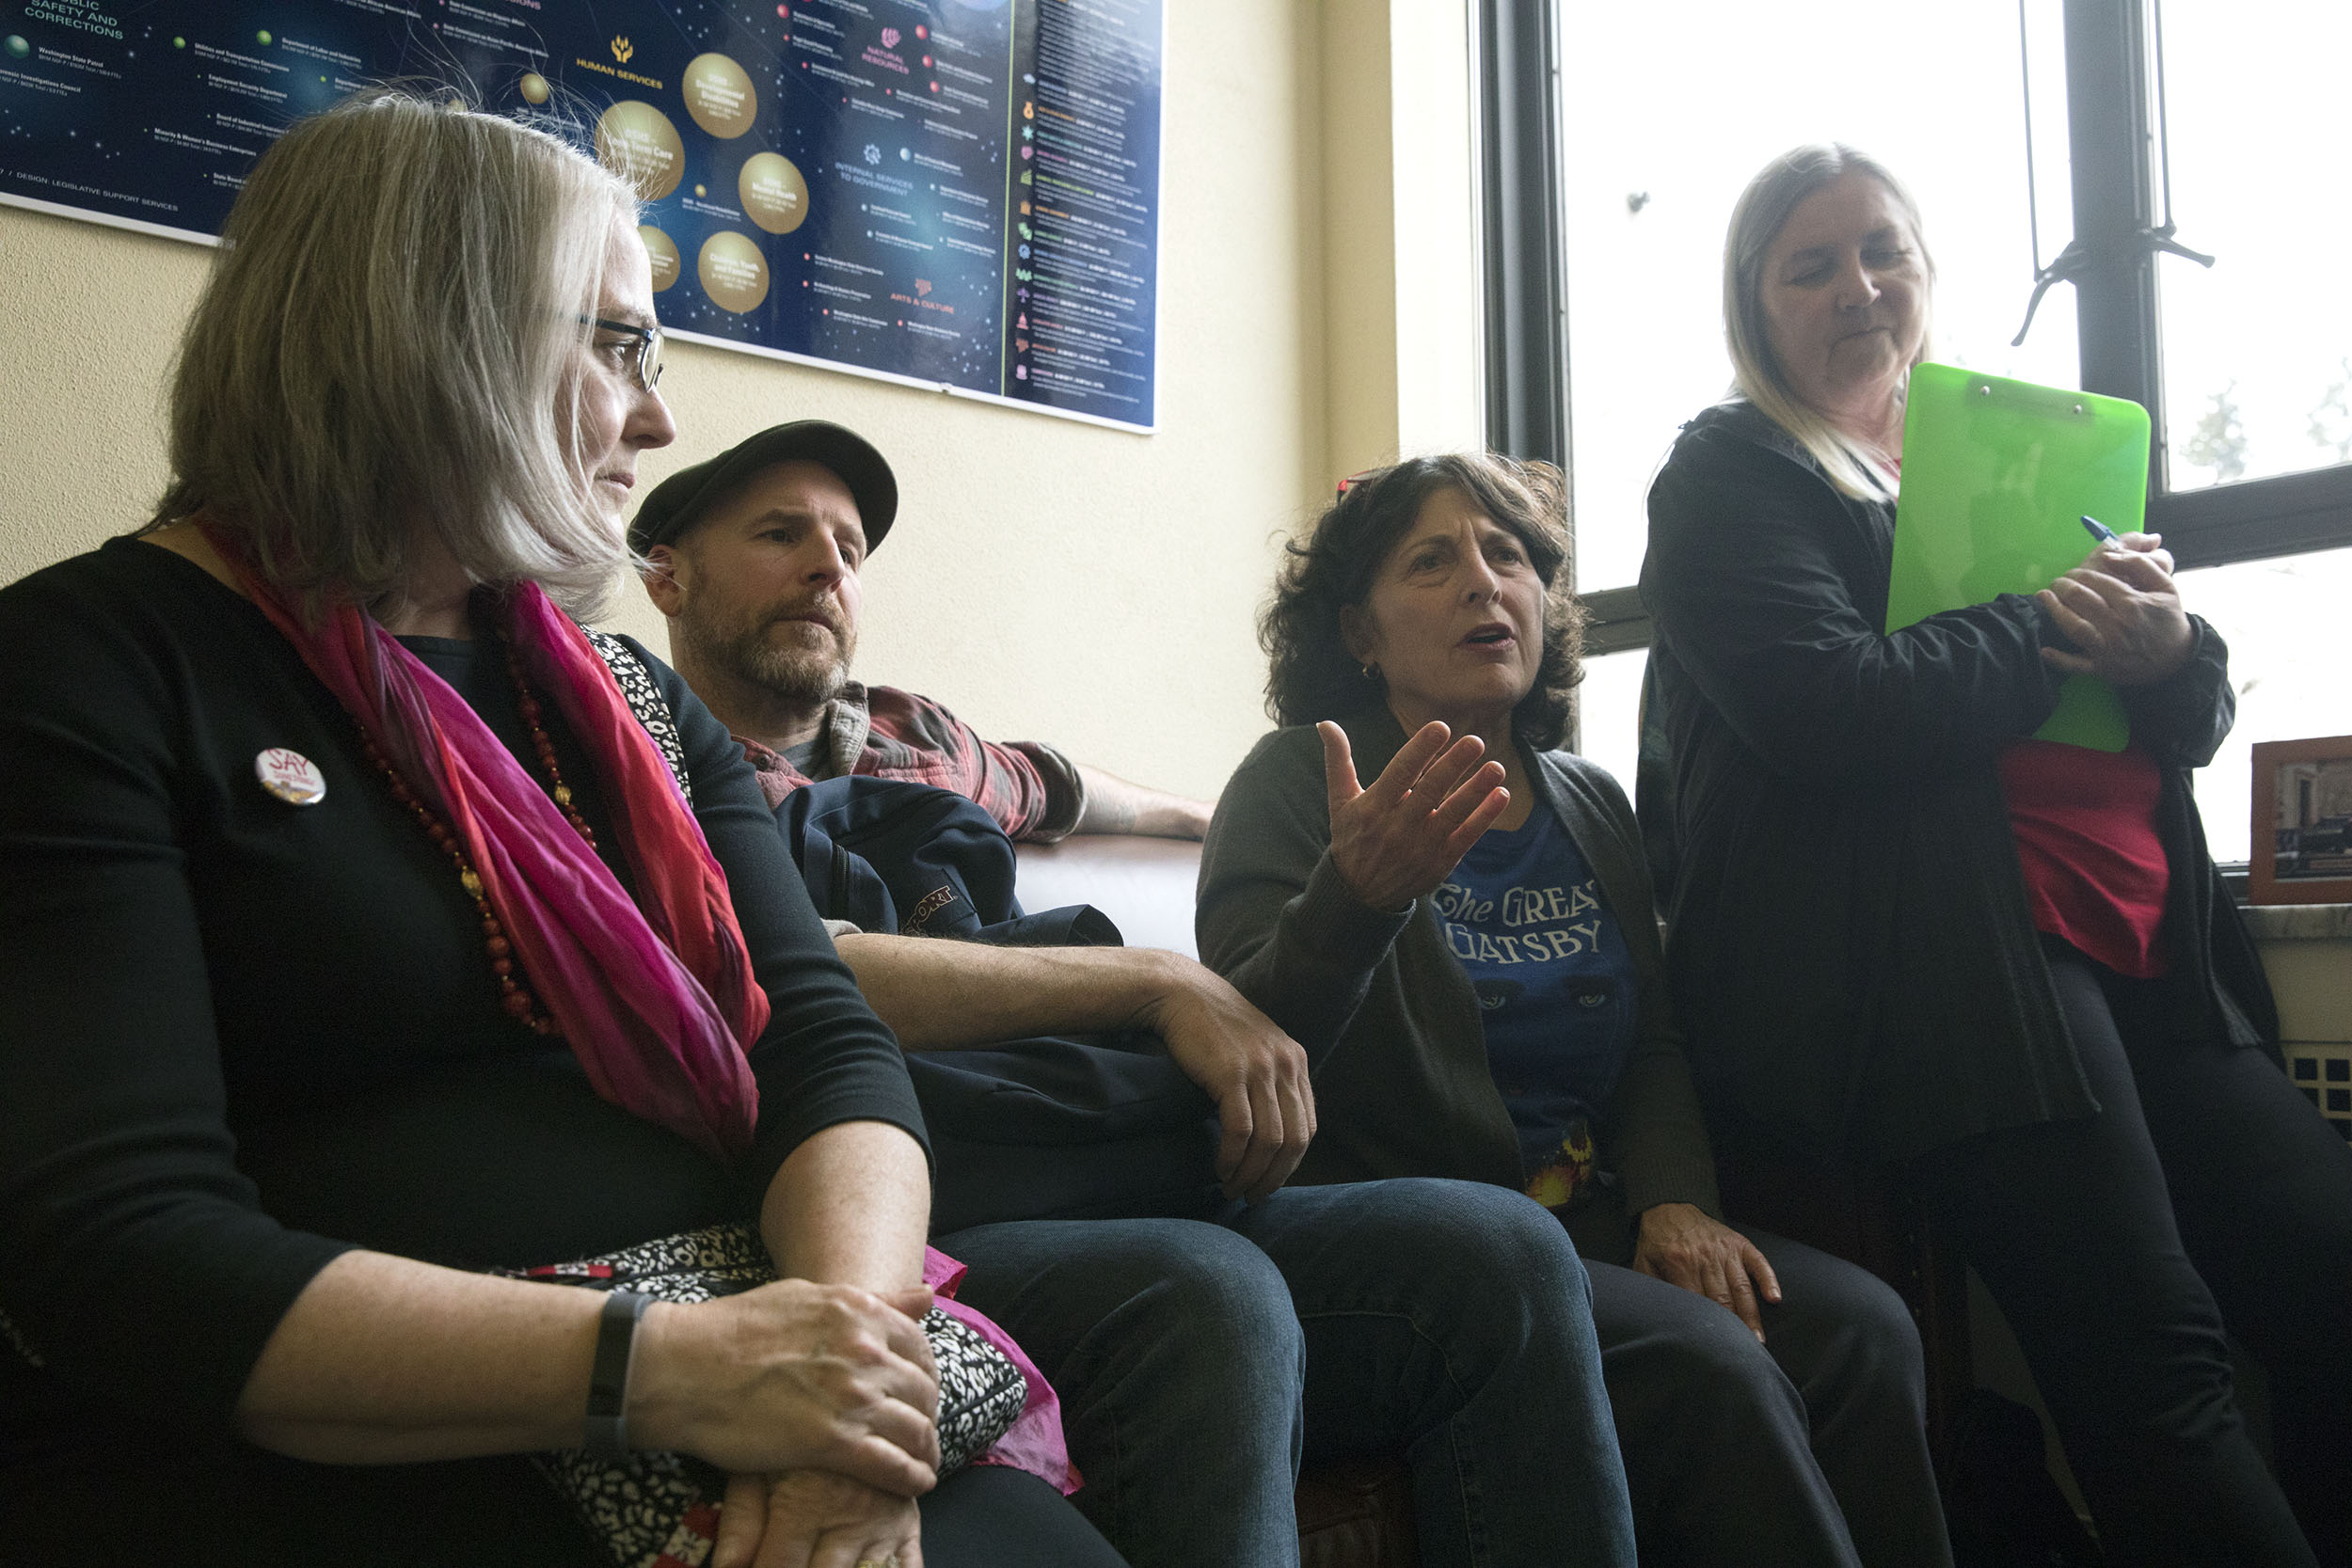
(514, 996)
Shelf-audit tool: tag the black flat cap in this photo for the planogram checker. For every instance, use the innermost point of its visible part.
(679, 501)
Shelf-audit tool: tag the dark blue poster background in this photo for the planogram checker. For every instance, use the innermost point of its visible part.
(958, 192)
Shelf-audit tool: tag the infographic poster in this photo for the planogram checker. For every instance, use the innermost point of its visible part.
(960, 193)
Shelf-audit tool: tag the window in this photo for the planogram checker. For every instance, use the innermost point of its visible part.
(2289, 656)
(1659, 156)
(1609, 711)
(2256, 359)
(1616, 148)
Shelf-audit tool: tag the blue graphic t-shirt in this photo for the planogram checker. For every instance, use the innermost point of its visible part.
(1556, 985)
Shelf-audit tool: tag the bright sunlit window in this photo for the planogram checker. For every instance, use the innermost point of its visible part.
(1671, 109)
(1667, 111)
(2290, 662)
(2258, 350)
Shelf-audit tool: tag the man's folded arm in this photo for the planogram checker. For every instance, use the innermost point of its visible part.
(944, 995)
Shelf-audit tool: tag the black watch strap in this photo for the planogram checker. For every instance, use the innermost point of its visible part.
(606, 1432)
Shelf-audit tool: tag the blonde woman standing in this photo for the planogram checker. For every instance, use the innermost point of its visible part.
(1906, 933)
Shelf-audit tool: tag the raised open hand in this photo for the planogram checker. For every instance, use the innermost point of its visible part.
(2121, 609)
(1399, 839)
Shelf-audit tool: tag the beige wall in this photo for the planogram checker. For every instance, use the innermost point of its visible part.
(1401, 283)
(1047, 578)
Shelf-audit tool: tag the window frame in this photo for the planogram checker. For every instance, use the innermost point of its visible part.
(1525, 249)
(2111, 136)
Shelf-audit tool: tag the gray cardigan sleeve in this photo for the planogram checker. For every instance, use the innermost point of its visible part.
(1655, 1128)
(1275, 918)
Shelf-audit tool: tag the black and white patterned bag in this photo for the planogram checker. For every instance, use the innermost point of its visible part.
(663, 1508)
(656, 1508)
(646, 702)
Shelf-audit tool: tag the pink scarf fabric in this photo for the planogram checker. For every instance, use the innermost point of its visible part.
(658, 1002)
(1035, 1441)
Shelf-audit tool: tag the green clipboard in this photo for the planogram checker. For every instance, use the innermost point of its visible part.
(1997, 476)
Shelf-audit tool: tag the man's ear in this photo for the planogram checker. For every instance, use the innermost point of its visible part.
(660, 580)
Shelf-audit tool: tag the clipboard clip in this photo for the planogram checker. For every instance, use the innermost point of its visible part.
(2068, 265)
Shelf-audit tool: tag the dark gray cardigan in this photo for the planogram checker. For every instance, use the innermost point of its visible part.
(1384, 1011)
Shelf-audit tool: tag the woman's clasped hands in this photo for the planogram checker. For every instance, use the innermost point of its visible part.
(819, 1401)
(2121, 609)
(1402, 837)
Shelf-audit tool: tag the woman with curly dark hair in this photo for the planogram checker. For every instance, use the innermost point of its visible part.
(1466, 949)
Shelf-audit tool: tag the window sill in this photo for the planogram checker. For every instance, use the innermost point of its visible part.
(2299, 921)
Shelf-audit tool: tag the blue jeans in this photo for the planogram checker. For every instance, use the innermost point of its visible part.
(1199, 1362)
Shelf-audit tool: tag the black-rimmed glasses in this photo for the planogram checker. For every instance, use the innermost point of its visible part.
(646, 364)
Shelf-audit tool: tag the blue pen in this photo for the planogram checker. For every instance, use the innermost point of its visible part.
(2100, 532)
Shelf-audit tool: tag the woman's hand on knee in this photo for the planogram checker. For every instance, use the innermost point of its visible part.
(793, 1376)
(815, 1519)
(1399, 839)
(1680, 1244)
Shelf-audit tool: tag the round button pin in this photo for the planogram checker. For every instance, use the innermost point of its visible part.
(291, 776)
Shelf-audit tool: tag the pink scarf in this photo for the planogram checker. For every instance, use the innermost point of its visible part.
(658, 1003)
(1034, 1442)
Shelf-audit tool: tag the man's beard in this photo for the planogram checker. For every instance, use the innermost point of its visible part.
(805, 676)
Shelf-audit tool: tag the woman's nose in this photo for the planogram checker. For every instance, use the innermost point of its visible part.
(1856, 288)
(649, 422)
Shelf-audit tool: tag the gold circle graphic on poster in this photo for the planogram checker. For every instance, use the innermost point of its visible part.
(637, 141)
(774, 193)
(534, 88)
(733, 272)
(718, 95)
(662, 253)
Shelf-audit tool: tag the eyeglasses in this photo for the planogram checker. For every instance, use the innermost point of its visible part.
(1354, 479)
(646, 364)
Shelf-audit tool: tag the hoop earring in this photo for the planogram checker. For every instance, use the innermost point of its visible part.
(1372, 672)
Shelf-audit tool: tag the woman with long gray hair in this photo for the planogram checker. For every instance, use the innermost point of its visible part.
(358, 940)
(1907, 934)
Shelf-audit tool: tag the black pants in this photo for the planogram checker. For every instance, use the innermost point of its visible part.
(1806, 1451)
(2206, 1193)
(146, 1510)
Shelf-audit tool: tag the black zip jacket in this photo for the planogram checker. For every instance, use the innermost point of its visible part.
(1851, 953)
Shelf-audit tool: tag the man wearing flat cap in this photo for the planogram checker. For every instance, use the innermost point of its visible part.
(756, 556)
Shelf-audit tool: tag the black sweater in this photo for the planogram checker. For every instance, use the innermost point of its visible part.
(1852, 953)
(238, 1036)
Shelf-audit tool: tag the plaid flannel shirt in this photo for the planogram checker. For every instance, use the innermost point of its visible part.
(1032, 790)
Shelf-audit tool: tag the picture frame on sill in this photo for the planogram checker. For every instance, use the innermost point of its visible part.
(2302, 827)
